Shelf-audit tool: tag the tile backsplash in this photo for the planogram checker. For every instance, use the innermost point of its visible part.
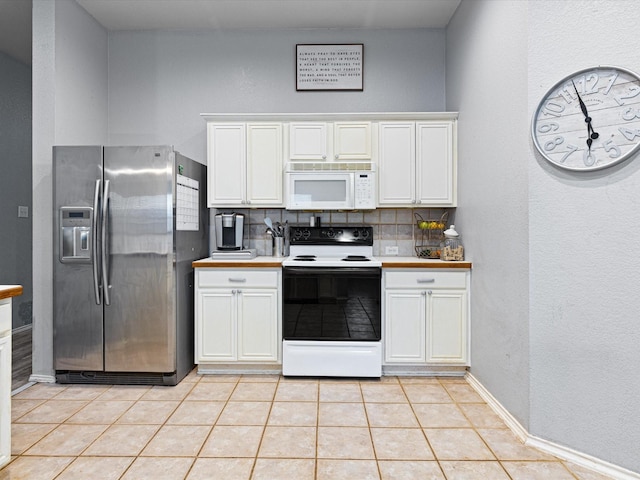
(391, 226)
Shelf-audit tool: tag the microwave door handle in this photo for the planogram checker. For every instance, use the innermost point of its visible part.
(105, 245)
(95, 260)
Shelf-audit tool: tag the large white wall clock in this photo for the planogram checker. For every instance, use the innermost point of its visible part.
(590, 119)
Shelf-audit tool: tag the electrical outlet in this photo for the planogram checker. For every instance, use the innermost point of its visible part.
(23, 212)
(391, 250)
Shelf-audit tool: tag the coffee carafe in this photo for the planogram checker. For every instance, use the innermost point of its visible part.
(229, 229)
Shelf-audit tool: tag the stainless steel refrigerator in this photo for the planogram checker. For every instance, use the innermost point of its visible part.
(128, 222)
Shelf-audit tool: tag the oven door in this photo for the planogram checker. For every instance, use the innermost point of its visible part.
(332, 304)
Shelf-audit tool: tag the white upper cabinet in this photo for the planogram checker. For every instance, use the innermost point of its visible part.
(264, 164)
(308, 141)
(414, 155)
(417, 164)
(351, 141)
(244, 164)
(226, 169)
(396, 163)
(330, 141)
(435, 164)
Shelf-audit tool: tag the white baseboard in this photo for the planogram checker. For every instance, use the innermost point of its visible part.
(21, 388)
(42, 378)
(235, 369)
(423, 371)
(513, 424)
(21, 329)
(559, 451)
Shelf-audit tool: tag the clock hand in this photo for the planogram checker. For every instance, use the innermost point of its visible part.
(591, 134)
(583, 107)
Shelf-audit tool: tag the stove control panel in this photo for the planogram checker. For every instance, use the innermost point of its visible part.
(334, 235)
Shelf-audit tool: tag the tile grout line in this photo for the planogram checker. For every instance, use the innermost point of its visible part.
(497, 458)
(473, 426)
(422, 430)
(197, 455)
(449, 387)
(264, 428)
(373, 445)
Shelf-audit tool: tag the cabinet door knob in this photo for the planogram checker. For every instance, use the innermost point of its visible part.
(424, 294)
(429, 292)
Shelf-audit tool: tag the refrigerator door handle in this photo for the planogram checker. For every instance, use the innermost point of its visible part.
(94, 244)
(105, 246)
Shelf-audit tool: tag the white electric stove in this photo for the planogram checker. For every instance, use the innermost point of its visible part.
(332, 303)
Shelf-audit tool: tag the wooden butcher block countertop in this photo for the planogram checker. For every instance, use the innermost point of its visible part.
(415, 262)
(258, 262)
(7, 291)
(276, 262)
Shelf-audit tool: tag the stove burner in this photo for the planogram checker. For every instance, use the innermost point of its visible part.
(356, 258)
(304, 258)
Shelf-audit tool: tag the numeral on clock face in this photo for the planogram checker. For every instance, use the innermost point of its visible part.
(553, 108)
(589, 158)
(629, 134)
(631, 114)
(551, 145)
(548, 127)
(571, 149)
(633, 91)
(612, 148)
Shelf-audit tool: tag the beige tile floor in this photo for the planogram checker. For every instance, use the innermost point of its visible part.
(270, 428)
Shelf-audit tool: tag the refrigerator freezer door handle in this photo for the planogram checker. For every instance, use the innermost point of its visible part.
(105, 246)
(94, 244)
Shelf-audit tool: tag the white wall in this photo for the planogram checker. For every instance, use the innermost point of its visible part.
(584, 242)
(69, 108)
(159, 83)
(487, 84)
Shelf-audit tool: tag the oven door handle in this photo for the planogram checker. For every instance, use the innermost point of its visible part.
(331, 270)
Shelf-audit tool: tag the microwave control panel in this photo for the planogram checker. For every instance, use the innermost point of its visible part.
(364, 191)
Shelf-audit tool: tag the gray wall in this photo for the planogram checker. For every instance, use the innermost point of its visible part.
(554, 307)
(69, 105)
(15, 183)
(554, 335)
(159, 83)
(487, 77)
(584, 241)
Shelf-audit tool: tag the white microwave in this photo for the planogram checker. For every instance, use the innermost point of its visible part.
(331, 190)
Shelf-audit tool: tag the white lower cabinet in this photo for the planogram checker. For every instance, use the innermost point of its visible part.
(5, 381)
(426, 317)
(237, 316)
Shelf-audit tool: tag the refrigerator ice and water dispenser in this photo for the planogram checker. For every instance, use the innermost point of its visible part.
(75, 234)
